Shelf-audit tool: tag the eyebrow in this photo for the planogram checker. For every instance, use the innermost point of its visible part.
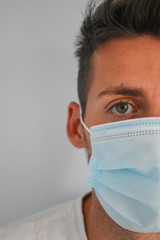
(125, 91)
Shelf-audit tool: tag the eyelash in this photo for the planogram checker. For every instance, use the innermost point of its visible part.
(121, 116)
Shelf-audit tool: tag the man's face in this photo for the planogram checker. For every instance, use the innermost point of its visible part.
(125, 82)
(125, 85)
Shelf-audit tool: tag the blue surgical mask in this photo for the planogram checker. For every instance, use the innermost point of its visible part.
(124, 171)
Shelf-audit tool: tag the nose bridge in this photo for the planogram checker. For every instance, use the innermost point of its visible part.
(154, 103)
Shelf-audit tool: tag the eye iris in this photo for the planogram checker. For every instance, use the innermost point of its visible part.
(122, 108)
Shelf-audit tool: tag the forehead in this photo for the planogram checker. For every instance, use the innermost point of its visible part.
(132, 62)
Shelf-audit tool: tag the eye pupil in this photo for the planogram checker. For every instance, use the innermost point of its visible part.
(122, 108)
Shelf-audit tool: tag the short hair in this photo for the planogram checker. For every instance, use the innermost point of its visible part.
(110, 19)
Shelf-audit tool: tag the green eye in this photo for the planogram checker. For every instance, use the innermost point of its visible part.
(122, 108)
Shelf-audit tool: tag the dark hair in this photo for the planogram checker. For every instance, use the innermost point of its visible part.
(111, 19)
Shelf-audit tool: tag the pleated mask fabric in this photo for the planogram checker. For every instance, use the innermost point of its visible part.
(124, 171)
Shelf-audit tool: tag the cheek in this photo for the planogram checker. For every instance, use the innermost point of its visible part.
(89, 151)
(88, 144)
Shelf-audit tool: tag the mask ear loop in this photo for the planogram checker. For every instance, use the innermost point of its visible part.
(83, 124)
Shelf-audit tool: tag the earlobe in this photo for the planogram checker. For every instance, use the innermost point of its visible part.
(74, 127)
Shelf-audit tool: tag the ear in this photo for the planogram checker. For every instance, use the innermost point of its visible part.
(74, 127)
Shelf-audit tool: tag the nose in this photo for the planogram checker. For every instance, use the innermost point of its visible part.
(154, 106)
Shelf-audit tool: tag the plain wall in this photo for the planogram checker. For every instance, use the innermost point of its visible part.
(38, 72)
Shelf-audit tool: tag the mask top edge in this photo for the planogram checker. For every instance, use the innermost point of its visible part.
(147, 121)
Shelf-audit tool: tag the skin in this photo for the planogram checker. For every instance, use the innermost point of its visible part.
(126, 73)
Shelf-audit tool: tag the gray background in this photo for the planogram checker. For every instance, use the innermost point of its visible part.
(38, 165)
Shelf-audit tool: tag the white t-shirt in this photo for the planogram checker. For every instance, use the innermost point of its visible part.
(62, 222)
